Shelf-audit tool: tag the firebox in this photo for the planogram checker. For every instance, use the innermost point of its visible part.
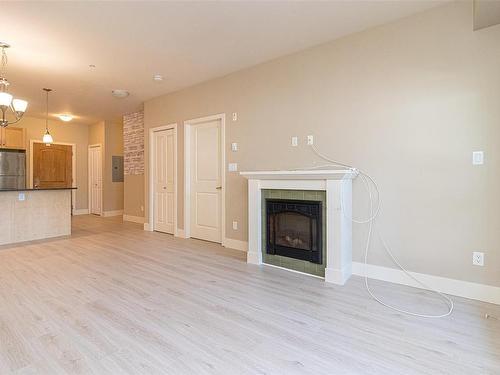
(294, 229)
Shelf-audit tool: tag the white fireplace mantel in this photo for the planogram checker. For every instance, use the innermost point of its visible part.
(338, 185)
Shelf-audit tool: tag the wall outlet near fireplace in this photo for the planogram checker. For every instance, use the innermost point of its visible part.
(310, 140)
(478, 258)
(295, 141)
(235, 225)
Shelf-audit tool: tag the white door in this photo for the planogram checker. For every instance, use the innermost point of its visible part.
(163, 181)
(95, 180)
(205, 170)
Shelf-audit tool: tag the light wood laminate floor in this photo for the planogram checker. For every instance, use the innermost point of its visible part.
(113, 299)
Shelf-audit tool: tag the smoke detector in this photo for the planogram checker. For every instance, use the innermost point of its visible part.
(117, 93)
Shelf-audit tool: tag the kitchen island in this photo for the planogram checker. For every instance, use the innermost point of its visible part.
(34, 214)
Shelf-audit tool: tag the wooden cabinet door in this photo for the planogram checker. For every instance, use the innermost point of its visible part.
(52, 166)
(13, 138)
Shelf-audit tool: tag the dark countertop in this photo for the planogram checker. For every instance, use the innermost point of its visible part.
(39, 189)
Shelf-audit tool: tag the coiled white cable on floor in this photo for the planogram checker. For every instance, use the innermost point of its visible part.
(370, 221)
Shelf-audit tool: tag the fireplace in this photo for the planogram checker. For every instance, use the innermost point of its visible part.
(294, 229)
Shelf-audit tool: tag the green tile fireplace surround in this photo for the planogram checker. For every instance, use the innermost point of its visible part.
(330, 186)
(286, 262)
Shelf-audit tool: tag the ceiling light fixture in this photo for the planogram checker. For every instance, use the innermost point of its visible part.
(17, 106)
(47, 138)
(66, 118)
(117, 93)
(158, 78)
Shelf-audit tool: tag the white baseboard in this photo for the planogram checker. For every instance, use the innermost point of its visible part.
(180, 233)
(112, 213)
(81, 211)
(236, 244)
(133, 219)
(337, 276)
(466, 289)
(146, 227)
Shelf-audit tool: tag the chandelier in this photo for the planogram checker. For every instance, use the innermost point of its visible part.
(7, 101)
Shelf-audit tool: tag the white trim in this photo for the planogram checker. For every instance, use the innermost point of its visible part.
(236, 244)
(99, 145)
(338, 226)
(466, 289)
(187, 172)
(151, 173)
(81, 211)
(290, 270)
(180, 233)
(133, 219)
(112, 213)
(73, 168)
(147, 227)
(308, 174)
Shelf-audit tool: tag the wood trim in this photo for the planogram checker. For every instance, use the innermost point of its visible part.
(151, 175)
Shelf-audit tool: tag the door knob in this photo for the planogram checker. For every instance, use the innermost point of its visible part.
(219, 187)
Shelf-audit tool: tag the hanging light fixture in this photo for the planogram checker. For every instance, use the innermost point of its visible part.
(17, 106)
(47, 138)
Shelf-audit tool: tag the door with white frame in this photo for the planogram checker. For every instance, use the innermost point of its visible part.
(205, 178)
(95, 179)
(164, 176)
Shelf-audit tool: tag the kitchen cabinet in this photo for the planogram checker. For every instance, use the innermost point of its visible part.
(13, 138)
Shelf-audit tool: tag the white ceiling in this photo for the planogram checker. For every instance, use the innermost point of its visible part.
(53, 44)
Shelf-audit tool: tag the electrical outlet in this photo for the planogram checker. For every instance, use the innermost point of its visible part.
(21, 197)
(478, 258)
(232, 167)
(142, 208)
(478, 158)
(235, 116)
(295, 141)
(234, 146)
(310, 140)
(235, 225)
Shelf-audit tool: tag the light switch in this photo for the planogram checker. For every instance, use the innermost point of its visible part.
(234, 146)
(295, 141)
(232, 167)
(21, 197)
(477, 158)
(235, 225)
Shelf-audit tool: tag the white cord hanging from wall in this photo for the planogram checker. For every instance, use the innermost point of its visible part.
(366, 178)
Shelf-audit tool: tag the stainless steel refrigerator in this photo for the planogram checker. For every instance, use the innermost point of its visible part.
(12, 169)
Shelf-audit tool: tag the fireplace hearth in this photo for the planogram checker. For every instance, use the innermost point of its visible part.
(294, 229)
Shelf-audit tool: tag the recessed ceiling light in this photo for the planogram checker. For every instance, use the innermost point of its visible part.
(66, 117)
(117, 93)
(158, 78)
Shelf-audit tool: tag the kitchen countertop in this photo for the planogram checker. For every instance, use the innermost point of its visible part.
(39, 189)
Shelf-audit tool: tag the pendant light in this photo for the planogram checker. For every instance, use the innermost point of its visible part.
(7, 102)
(47, 138)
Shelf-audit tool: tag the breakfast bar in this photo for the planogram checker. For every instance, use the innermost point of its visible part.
(34, 214)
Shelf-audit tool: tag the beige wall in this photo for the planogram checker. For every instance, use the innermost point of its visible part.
(66, 133)
(134, 195)
(113, 191)
(407, 102)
